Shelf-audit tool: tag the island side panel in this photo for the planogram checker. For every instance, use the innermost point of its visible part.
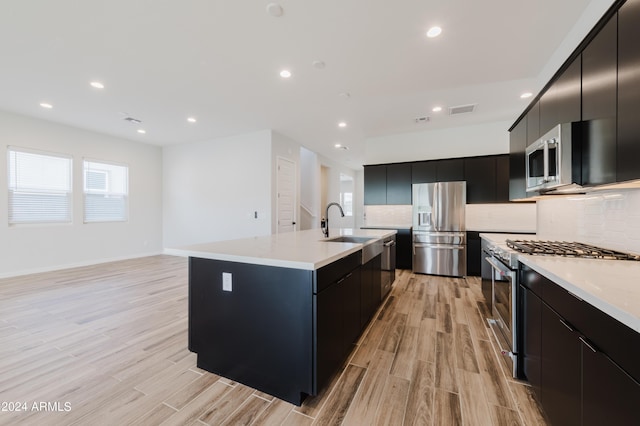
(260, 333)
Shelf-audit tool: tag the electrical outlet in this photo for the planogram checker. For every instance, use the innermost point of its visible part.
(226, 282)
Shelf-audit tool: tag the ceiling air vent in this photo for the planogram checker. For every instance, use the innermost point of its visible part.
(461, 109)
(420, 120)
(132, 120)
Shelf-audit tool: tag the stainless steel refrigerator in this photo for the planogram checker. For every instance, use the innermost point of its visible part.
(439, 234)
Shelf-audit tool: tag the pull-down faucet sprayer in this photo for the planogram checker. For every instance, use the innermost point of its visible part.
(325, 222)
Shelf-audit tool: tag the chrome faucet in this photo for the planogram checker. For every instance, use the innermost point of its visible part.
(325, 221)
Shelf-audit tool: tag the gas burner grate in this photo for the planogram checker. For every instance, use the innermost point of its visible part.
(569, 249)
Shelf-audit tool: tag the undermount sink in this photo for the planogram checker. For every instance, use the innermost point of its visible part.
(369, 251)
(349, 239)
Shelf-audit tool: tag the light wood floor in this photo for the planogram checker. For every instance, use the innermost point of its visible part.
(111, 342)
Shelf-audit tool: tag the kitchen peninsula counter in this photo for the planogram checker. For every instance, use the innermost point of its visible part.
(280, 313)
(308, 250)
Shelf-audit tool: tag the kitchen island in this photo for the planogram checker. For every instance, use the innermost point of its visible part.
(280, 313)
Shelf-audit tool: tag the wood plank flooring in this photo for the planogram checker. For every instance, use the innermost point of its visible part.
(110, 341)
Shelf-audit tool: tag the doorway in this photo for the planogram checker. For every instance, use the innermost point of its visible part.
(286, 195)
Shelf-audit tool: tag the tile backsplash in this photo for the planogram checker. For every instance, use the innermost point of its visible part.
(387, 215)
(609, 219)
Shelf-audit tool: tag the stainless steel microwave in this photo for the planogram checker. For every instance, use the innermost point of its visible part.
(548, 159)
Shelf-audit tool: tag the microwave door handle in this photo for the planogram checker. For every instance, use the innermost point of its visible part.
(546, 160)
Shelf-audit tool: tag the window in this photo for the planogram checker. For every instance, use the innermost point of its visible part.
(106, 189)
(39, 187)
(346, 194)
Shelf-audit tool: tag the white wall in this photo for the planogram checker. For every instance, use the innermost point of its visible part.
(35, 248)
(310, 188)
(467, 141)
(212, 189)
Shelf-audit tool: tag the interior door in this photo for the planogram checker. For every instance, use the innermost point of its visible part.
(286, 194)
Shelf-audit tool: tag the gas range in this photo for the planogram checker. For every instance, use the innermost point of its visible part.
(567, 249)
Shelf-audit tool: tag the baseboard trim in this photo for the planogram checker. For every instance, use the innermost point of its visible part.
(78, 264)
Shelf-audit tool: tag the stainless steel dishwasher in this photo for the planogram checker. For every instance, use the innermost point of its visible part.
(388, 264)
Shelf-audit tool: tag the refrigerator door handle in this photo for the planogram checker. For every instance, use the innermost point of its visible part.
(436, 206)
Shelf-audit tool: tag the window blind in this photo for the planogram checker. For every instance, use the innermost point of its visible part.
(39, 187)
(106, 189)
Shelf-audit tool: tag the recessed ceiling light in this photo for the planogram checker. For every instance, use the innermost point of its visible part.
(191, 120)
(342, 124)
(142, 131)
(285, 73)
(337, 145)
(97, 85)
(46, 105)
(434, 32)
(274, 9)
(526, 95)
(437, 109)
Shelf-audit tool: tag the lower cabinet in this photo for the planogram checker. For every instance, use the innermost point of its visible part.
(609, 395)
(328, 333)
(559, 369)
(575, 381)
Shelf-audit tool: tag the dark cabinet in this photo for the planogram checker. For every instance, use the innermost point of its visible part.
(398, 184)
(561, 102)
(628, 135)
(474, 253)
(609, 395)
(559, 369)
(480, 174)
(599, 84)
(423, 172)
(329, 334)
(581, 362)
(517, 147)
(533, 123)
(531, 343)
(387, 184)
(375, 185)
(404, 249)
(502, 178)
(352, 306)
(450, 170)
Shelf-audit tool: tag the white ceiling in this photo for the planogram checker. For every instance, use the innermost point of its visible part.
(218, 60)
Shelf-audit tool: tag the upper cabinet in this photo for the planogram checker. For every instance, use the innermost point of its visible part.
(599, 77)
(517, 147)
(450, 170)
(533, 123)
(480, 174)
(423, 172)
(628, 143)
(387, 184)
(399, 183)
(561, 102)
(375, 185)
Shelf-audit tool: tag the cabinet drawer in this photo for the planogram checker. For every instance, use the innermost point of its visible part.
(619, 342)
(331, 273)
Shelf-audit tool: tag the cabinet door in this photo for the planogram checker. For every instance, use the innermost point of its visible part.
(375, 185)
(450, 170)
(561, 102)
(609, 395)
(474, 259)
(533, 124)
(423, 172)
(628, 91)
(517, 147)
(399, 183)
(502, 178)
(329, 334)
(351, 302)
(366, 293)
(531, 343)
(480, 174)
(599, 79)
(559, 369)
(404, 249)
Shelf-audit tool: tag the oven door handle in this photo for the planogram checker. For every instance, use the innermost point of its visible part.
(501, 269)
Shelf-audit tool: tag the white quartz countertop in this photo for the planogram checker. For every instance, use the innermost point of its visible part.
(299, 249)
(613, 286)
